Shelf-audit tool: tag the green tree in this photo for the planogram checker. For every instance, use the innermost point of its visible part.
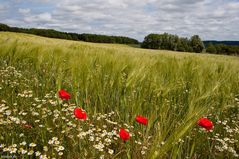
(211, 48)
(152, 41)
(197, 44)
(4, 27)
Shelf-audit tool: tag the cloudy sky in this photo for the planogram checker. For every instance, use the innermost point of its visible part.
(211, 19)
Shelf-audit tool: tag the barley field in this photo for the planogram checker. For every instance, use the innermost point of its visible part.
(118, 102)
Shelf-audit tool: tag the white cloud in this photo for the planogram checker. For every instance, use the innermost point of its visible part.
(44, 16)
(211, 19)
(39, 18)
(24, 10)
(233, 5)
(3, 8)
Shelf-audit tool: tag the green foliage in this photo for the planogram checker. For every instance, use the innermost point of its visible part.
(152, 41)
(206, 42)
(4, 27)
(197, 44)
(107, 39)
(223, 49)
(211, 48)
(173, 42)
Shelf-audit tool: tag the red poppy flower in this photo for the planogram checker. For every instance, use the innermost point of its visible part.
(142, 120)
(205, 123)
(124, 135)
(64, 95)
(80, 114)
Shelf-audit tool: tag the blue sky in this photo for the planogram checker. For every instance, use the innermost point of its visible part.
(211, 19)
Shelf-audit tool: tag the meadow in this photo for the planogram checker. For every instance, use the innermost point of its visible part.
(113, 84)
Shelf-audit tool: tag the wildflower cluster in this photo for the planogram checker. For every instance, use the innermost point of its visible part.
(50, 125)
(44, 126)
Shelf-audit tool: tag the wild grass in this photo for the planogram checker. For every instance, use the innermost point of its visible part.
(172, 89)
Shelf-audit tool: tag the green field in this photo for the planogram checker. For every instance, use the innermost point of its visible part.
(114, 83)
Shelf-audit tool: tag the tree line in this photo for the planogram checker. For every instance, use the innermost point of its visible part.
(163, 41)
(71, 36)
(167, 41)
(207, 42)
(223, 49)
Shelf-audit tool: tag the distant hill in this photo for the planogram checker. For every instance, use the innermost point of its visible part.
(220, 42)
